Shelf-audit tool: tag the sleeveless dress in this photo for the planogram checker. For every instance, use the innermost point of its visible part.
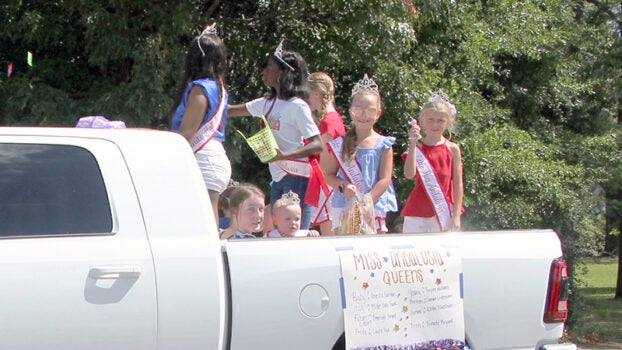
(441, 160)
(369, 159)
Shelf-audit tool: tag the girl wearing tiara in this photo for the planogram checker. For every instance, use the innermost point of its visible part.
(435, 204)
(286, 217)
(289, 118)
(362, 160)
(200, 114)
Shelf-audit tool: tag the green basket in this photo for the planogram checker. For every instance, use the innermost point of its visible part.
(262, 142)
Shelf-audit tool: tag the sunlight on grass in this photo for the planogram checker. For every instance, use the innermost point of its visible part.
(599, 315)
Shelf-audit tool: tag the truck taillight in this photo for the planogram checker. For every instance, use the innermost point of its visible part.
(559, 287)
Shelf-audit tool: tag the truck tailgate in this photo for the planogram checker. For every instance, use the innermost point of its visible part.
(286, 293)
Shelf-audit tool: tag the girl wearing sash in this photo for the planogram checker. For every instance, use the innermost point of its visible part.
(293, 128)
(362, 159)
(329, 121)
(435, 204)
(200, 114)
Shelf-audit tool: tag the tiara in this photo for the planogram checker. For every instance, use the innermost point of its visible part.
(365, 84)
(440, 96)
(278, 53)
(291, 197)
(287, 199)
(209, 30)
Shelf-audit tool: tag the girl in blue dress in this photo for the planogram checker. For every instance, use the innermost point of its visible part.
(362, 161)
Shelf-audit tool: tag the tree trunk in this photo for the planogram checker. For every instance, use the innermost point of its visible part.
(618, 294)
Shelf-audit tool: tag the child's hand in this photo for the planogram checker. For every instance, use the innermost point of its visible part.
(279, 156)
(455, 223)
(414, 133)
(349, 190)
(313, 233)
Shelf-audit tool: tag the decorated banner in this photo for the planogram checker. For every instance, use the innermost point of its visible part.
(402, 298)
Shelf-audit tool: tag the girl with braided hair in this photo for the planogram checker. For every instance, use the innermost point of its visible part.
(362, 160)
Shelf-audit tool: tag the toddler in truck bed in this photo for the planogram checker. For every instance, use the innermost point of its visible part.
(286, 216)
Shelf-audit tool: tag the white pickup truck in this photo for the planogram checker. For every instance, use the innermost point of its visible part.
(106, 243)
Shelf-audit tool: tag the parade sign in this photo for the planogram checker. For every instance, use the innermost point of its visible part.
(402, 298)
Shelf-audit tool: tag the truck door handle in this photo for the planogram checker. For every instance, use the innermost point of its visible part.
(115, 272)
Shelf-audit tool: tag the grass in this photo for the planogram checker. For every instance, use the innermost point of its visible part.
(597, 316)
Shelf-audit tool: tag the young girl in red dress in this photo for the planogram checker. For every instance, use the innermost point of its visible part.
(329, 121)
(435, 204)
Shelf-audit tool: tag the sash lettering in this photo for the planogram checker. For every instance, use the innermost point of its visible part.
(434, 190)
(352, 170)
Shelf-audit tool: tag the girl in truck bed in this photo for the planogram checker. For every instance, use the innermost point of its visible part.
(247, 205)
(435, 204)
(362, 159)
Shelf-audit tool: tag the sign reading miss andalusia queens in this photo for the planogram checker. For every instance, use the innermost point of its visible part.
(405, 298)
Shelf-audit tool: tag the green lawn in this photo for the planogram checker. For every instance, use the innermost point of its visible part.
(598, 316)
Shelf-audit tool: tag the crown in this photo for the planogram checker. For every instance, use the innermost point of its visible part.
(278, 53)
(209, 30)
(365, 84)
(289, 198)
(440, 96)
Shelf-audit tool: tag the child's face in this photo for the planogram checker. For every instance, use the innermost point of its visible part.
(434, 122)
(365, 110)
(315, 100)
(250, 214)
(287, 219)
(271, 74)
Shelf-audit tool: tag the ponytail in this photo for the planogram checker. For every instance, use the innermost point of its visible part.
(348, 151)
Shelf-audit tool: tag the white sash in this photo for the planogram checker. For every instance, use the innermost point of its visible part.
(352, 170)
(207, 130)
(320, 214)
(297, 167)
(434, 190)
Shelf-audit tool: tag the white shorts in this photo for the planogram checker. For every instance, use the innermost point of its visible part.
(414, 224)
(215, 166)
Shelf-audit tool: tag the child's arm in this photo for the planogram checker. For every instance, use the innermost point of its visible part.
(195, 111)
(384, 174)
(314, 146)
(458, 186)
(410, 164)
(238, 110)
(330, 166)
